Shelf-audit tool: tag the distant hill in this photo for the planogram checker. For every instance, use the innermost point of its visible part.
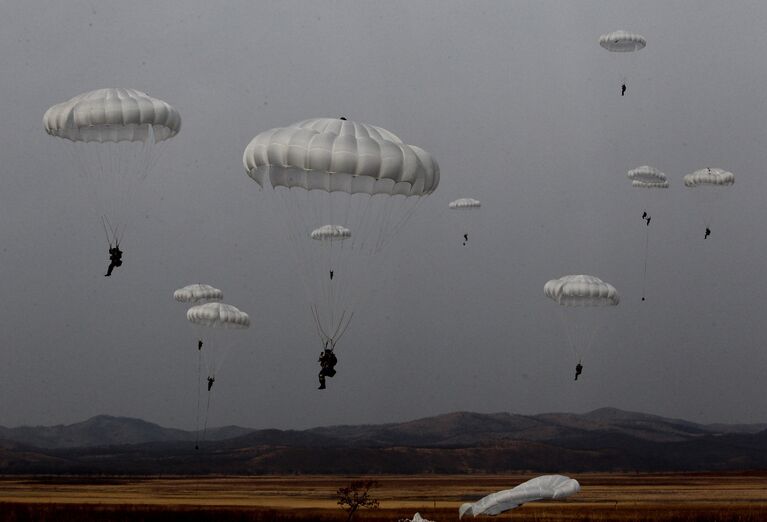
(606, 439)
(105, 430)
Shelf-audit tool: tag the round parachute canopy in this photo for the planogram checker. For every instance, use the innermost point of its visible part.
(112, 115)
(546, 487)
(581, 290)
(647, 177)
(465, 203)
(709, 176)
(197, 293)
(622, 42)
(331, 154)
(218, 315)
(331, 233)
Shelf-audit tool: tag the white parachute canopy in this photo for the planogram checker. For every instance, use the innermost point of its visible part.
(546, 487)
(198, 293)
(708, 184)
(622, 41)
(331, 233)
(463, 203)
(580, 297)
(466, 216)
(416, 518)
(647, 177)
(115, 135)
(709, 177)
(362, 181)
(220, 320)
(581, 290)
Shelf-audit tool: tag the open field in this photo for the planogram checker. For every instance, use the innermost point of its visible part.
(604, 497)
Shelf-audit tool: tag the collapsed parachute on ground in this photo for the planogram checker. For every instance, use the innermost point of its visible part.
(416, 518)
(116, 136)
(197, 293)
(622, 41)
(361, 179)
(546, 487)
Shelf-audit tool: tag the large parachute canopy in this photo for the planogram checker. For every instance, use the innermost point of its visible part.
(647, 177)
(581, 290)
(115, 136)
(198, 293)
(354, 177)
(546, 487)
(622, 41)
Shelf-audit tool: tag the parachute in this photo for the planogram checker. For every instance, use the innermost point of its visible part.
(115, 135)
(708, 183)
(344, 189)
(579, 296)
(546, 487)
(197, 293)
(220, 319)
(465, 204)
(646, 177)
(622, 42)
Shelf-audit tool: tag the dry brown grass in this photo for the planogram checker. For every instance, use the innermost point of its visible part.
(604, 497)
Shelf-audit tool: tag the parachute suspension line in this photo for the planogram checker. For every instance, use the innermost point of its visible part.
(205, 422)
(197, 414)
(405, 217)
(568, 334)
(644, 272)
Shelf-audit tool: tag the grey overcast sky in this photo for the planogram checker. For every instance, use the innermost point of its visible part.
(520, 106)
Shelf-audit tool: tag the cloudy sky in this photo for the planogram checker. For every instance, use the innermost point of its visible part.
(522, 109)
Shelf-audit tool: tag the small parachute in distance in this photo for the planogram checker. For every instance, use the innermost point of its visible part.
(647, 177)
(581, 290)
(198, 293)
(546, 487)
(709, 177)
(331, 233)
(465, 203)
(218, 315)
(622, 41)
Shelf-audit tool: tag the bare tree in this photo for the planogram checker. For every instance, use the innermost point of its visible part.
(357, 495)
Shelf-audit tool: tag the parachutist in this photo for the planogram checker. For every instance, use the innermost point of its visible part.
(211, 380)
(328, 361)
(578, 370)
(648, 218)
(644, 215)
(708, 233)
(199, 344)
(331, 275)
(115, 259)
(623, 90)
